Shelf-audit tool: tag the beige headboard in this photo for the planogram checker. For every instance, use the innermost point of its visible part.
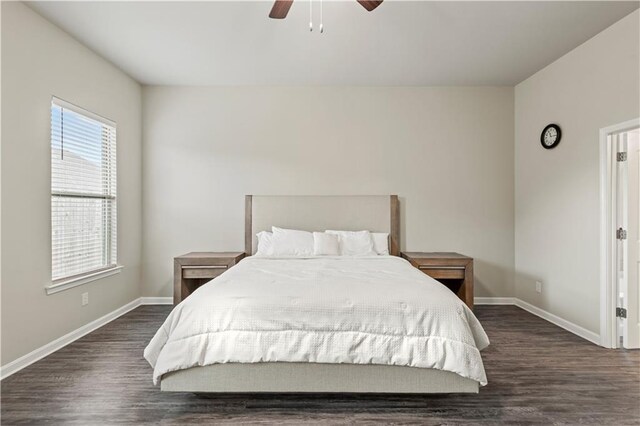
(376, 213)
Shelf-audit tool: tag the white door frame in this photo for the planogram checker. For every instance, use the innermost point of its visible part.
(608, 285)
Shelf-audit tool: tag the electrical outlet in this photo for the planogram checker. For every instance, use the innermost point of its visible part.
(85, 299)
(538, 286)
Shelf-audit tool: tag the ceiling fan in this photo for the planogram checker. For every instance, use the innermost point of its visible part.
(281, 7)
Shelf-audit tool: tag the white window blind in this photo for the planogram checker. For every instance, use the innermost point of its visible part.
(83, 191)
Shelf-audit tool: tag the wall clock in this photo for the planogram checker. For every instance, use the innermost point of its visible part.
(550, 137)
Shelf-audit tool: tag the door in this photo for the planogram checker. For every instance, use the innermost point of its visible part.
(630, 292)
(628, 219)
(619, 284)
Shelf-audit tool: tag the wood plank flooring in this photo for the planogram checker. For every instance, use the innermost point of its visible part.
(538, 374)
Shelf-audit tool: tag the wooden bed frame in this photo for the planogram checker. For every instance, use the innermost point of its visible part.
(312, 213)
(303, 208)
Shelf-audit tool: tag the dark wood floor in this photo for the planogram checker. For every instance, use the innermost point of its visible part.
(538, 374)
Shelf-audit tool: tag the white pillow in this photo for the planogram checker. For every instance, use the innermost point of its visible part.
(291, 242)
(355, 243)
(265, 244)
(380, 242)
(325, 244)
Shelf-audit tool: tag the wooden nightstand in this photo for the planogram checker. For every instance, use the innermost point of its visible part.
(191, 270)
(451, 269)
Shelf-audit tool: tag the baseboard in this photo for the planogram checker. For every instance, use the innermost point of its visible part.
(36, 355)
(494, 301)
(49, 348)
(560, 322)
(553, 319)
(156, 300)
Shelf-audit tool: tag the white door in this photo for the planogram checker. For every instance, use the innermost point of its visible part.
(630, 288)
(620, 273)
(621, 224)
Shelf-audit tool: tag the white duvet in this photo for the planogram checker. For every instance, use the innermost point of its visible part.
(373, 310)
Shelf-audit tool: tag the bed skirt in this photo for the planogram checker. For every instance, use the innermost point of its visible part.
(280, 377)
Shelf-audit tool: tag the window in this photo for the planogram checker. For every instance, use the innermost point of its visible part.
(83, 192)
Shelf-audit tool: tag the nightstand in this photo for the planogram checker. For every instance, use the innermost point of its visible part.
(452, 269)
(191, 270)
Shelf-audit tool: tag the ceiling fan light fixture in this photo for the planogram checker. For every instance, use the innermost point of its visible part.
(281, 8)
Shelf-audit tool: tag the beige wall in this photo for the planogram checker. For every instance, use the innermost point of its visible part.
(557, 191)
(448, 152)
(38, 61)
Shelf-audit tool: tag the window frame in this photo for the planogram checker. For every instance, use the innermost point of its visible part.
(70, 281)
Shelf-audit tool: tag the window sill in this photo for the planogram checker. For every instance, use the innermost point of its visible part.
(82, 279)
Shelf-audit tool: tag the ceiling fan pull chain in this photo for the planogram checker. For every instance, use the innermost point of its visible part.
(321, 24)
(310, 15)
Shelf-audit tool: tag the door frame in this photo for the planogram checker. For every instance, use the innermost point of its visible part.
(608, 284)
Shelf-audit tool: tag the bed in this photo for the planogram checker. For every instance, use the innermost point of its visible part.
(320, 323)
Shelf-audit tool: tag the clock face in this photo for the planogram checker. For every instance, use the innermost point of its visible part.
(550, 136)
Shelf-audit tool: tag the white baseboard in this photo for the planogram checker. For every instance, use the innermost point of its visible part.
(560, 322)
(553, 319)
(36, 355)
(494, 301)
(156, 300)
(49, 348)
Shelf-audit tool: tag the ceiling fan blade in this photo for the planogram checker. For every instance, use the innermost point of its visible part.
(280, 9)
(370, 4)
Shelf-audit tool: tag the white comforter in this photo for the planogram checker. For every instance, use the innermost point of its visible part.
(374, 310)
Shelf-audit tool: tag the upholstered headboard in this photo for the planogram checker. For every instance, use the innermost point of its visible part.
(376, 213)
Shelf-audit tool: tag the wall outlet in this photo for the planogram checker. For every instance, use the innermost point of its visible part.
(538, 286)
(85, 299)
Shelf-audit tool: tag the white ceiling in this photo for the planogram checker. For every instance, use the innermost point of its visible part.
(399, 43)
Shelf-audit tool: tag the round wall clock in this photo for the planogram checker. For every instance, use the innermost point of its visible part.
(550, 137)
